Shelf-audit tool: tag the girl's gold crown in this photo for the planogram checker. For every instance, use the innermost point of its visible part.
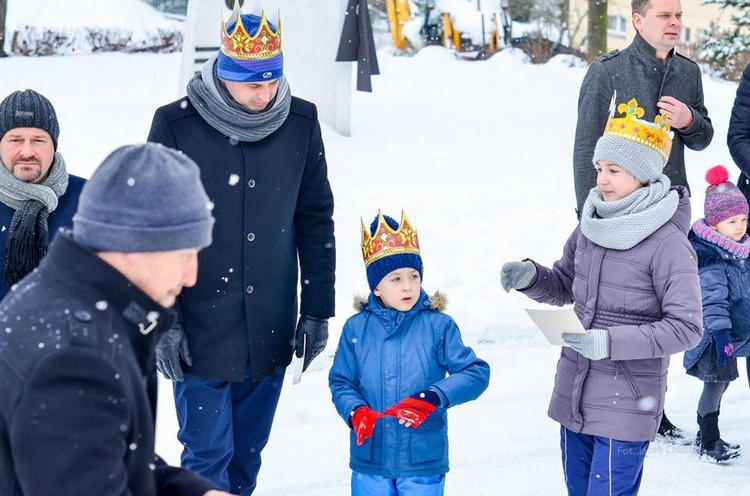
(656, 135)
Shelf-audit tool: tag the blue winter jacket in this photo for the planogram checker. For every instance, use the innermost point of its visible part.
(725, 289)
(385, 355)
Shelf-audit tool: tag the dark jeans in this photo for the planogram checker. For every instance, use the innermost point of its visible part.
(224, 426)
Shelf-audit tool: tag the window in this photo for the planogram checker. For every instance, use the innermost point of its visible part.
(616, 26)
(686, 34)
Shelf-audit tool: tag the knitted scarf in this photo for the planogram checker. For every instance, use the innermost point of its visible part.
(740, 249)
(28, 235)
(622, 224)
(214, 103)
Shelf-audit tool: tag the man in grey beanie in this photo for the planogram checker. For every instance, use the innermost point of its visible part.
(37, 195)
(77, 361)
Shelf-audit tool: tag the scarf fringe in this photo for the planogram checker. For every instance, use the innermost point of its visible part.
(27, 243)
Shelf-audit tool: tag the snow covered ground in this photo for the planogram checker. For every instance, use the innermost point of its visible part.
(479, 155)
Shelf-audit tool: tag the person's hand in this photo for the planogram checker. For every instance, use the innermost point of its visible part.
(724, 347)
(594, 345)
(517, 275)
(216, 492)
(311, 338)
(680, 115)
(170, 347)
(363, 422)
(415, 409)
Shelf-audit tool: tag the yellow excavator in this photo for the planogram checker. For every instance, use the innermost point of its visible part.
(399, 14)
(497, 29)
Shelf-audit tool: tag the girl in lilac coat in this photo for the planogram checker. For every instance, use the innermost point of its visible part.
(631, 274)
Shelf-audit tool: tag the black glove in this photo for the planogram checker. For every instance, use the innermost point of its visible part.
(172, 345)
(311, 338)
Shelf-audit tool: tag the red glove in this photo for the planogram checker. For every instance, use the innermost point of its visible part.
(363, 422)
(412, 411)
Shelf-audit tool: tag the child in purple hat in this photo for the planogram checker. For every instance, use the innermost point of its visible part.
(722, 246)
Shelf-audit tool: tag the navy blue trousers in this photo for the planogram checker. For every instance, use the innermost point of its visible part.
(599, 466)
(224, 426)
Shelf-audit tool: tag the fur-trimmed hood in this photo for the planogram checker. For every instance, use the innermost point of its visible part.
(438, 302)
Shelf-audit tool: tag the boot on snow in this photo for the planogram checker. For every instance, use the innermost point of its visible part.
(709, 443)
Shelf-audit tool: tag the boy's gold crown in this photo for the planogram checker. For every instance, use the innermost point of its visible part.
(656, 135)
(386, 241)
(239, 44)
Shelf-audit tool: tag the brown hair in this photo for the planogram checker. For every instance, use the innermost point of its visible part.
(640, 6)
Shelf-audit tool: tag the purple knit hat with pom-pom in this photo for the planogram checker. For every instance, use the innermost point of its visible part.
(723, 199)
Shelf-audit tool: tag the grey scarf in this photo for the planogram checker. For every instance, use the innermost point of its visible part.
(227, 116)
(28, 236)
(622, 224)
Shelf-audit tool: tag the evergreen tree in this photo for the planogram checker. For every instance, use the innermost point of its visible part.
(725, 49)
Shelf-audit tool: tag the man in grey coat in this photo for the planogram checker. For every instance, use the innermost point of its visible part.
(662, 81)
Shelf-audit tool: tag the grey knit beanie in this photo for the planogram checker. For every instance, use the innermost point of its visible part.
(28, 109)
(642, 162)
(144, 198)
(638, 146)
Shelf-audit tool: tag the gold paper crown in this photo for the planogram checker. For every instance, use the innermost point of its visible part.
(239, 44)
(386, 241)
(655, 135)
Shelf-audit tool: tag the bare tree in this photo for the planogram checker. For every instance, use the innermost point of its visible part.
(3, 11)
(597, 31)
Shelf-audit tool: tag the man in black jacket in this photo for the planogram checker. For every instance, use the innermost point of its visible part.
(38, 196)
(263, 164)
(77, 346)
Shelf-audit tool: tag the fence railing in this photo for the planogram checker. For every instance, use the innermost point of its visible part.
(176, 7)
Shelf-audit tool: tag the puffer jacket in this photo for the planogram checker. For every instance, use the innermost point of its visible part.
(725, 285)
(649, 299)
(385, 355)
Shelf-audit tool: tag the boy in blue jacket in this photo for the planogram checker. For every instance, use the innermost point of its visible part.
(722, 247)
(400, 360)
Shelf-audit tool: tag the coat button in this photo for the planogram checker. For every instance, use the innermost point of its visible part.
(82, 315)
(249, 289)
(251, 183)
(251, 236)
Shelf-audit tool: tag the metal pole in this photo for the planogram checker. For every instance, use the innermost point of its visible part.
(479, 8)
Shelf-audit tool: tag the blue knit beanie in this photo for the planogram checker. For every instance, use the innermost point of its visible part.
(381, 267)
(244, 59)
(144, 198)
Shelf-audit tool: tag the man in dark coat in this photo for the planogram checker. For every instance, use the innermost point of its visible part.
(37, 195)
(662, 81)
(79, 333)
(263, 165)
(738, 140)
(738, 137)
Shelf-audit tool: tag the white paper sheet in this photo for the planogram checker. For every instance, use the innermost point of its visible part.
(554, 322)
(295, 368)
